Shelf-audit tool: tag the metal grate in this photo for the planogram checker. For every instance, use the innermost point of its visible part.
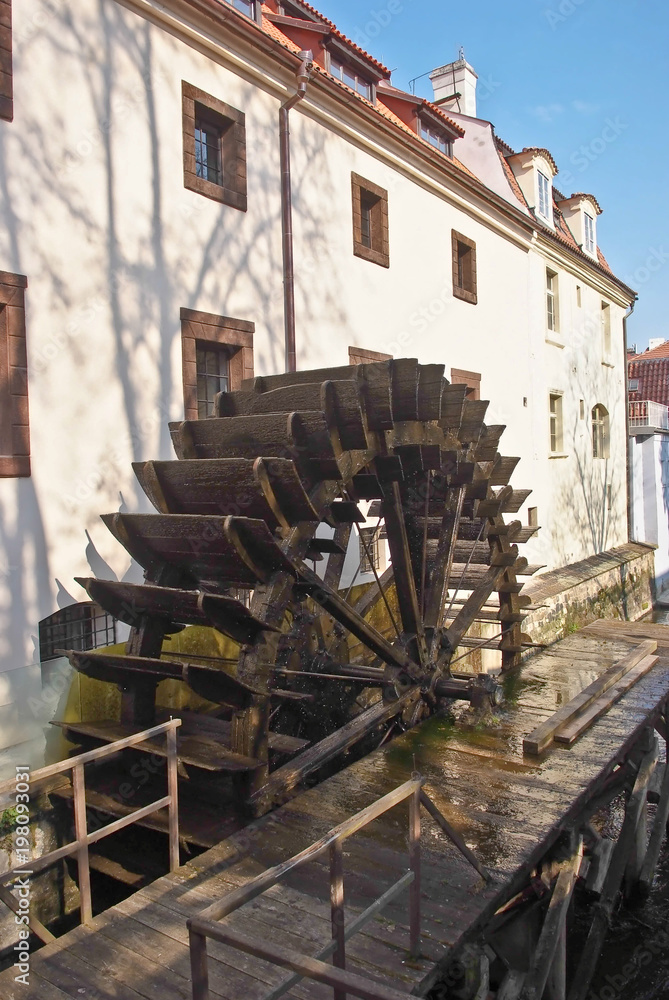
(80, 626)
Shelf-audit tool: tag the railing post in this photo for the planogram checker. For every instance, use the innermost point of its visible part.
(173, 792)
(337, 910)
(414, 864)
(198, 965)
(81, 834)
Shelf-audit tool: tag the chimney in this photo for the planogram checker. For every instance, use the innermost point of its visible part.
(655, 342)
(455, 86)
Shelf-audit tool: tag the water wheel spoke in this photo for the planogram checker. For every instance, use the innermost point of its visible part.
(443, 560)
(405, 583)
(332, 602)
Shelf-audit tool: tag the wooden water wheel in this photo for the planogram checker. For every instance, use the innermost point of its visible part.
(264, 495)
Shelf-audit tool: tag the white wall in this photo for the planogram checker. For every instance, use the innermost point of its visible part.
(95, 213)
(649, 473)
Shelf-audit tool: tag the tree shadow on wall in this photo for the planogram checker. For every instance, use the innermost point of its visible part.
(102, 170)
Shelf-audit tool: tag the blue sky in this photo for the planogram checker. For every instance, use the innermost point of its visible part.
(588, 79)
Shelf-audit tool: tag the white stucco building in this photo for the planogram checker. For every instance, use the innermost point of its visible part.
(141, 237)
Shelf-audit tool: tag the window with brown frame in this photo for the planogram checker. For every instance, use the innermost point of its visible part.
(464, 267)
(14, 423)
(370, 221)
(460, 376)
(360, 356)
(217, 354)
(214, 140)
(6, 78)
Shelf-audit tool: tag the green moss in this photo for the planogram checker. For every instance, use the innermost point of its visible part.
(8, 821)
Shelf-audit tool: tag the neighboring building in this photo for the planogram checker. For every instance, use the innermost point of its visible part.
(649, 453)
(141, 257)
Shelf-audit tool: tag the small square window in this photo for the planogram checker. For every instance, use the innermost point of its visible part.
(247, 7)
(634, 385)
(464, 268)
(370, 221)
(208, 137)
(214, 140)
(351, 78)
(555, 423)
(212, 366)
(217, 355)
(436, 138)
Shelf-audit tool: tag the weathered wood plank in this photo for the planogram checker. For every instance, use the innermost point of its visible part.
(569, 733)
(543, 735)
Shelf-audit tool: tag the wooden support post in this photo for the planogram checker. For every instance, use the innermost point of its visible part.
(337, 915)
(614, 877)
(512, 985)
(173, 792)
(657, 835)
(81, 834)
(548, 959)
(414, 864)
(556, 985)
(198, 965)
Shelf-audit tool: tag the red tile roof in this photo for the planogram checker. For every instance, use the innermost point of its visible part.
(562, 233)
(661, 351)
(653, 376)
(510, 176)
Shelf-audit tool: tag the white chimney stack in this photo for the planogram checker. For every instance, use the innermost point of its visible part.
(455, 86)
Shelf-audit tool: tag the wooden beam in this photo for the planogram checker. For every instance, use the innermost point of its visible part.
(453, 835)
(543, 735)
(614, 877)
(656, 837)
(553, 928)
(569, 733)
(288, 777)
(38, 928)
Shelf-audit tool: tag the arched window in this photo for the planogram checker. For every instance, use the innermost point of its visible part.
(600, 431)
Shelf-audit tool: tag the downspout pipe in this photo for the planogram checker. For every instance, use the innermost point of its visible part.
(303, 75)
(627, 422)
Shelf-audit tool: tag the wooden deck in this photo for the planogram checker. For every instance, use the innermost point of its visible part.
(509, 808)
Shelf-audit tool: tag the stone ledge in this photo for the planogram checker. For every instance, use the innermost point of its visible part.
(557, 581)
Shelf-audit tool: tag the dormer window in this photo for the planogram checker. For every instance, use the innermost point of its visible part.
(544, 195)
(351, 78)
(247, 7)
(436, 138)
(589, 244)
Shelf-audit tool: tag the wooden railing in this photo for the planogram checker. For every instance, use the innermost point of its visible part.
(206, 925)
(79, 846)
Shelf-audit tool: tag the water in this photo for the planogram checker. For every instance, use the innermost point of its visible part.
(635, 960)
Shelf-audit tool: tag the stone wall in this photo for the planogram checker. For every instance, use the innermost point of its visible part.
(614, 584)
